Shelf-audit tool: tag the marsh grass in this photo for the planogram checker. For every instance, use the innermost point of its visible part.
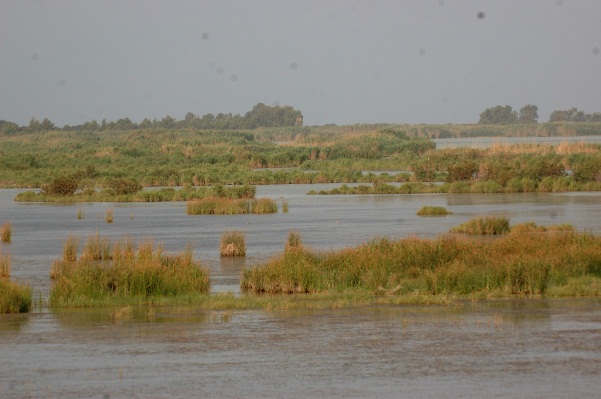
(97, 248)
(294, 242)
(80, 214)
(70, 248)
(233, 243)
(492, 225)
(231, 206)
(6, 232)
(285, 206)
(433, 211)
(14, 297)
(522, 262)
(128, 275)
(4, 265)
(108, 215)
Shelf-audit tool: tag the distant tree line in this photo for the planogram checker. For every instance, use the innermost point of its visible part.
(500, 115)
(260, 116)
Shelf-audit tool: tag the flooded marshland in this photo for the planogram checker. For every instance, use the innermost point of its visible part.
(526, 348)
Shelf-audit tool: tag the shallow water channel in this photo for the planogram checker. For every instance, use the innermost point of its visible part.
(521, 348)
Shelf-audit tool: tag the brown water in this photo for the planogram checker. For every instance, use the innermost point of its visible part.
(546, 348)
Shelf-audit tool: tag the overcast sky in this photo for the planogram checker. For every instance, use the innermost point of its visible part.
(342, 62)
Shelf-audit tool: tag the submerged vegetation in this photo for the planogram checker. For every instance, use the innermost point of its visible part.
(119, 273)
(527, 260)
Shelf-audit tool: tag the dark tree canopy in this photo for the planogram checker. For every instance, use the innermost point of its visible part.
(498, 115)
(528, 114)
(574, 115)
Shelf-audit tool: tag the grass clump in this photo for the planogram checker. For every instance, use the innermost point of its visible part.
(4, 265)
(433, 211)
(128, 275)
(14, 297)
(108, 215)
(233, 243)
(230, 206)
(518, 263)
(294, 242)
(6, 232)
(484, 226)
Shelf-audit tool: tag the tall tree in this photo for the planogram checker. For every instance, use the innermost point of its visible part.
(528, 114)
(498, 115)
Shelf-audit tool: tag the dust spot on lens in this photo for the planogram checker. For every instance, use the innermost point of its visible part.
(220, 70)
(62, 82)
(596, 50)
(481, 15)
(293, 65)
(422, 51)
(559, 3)
(205, 36)
(35, 56)
(233, 78)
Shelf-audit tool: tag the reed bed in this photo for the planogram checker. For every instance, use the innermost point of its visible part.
(231, 206)
(6, 232)
(433, 211)
(233, 243)
(14, 297)
(491, 225)
(127, 275)
(526, 261)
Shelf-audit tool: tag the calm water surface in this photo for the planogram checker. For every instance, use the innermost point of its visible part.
(548, 348)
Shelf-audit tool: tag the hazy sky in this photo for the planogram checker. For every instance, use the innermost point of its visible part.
(342, 62)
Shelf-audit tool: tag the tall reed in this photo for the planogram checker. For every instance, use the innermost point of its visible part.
(230, 206)
(233, 243)
(294, 242)
(125, 275)
(14, 297)
(6, 232)
(521, 262)
(4, 265)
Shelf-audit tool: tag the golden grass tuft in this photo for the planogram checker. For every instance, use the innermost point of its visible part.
(4, 265)
(14, 297)
(433, 211)
(108, 215)
(6, 232)
(294, 242)
(233, 243)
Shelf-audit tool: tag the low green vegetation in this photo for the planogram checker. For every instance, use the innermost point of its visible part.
(433, 211)
(4, 265)
(491, 225)
(229, 206)
(124, 274)
(525, 261)
(233, 243)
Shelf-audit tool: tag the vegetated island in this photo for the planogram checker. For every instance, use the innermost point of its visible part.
(116, 158)
(525, 260)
